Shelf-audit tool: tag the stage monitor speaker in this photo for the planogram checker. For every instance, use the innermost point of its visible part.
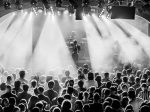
(122, 12)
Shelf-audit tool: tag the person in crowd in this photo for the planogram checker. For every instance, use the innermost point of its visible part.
(98, 79)
(144, 94)
(22, 75)
(57, 86)
(80, 86)
(67, 76)
(135, 101)
(24, 94)
(78, 106)
(33, 100)
(51, 93)
(9, 80)
(41, 95)
(118, 78)
(2, 88)
(33, 86)
(66, 106)
(96, 106)
(137, 83)
(17, 87)
(12, 105)
(91, 81)
(9, 93)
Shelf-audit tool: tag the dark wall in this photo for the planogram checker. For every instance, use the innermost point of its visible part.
(149, 30)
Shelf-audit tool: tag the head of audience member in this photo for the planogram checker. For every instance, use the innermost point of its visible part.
(124, 72)
(138, 73)
(78, 105)
(116, 104)
(8, 88)
(124, 94)
(90, 76)
(40, 90)
(85, 95)
(125, 79)
(17, 84)
(22, 74)
(129, 71)
(67, 96)
(22, 107)
(106, 92)
(144, 87)
(36, 92)
(60, 99)
(23, 101)
(9, 79)
(67, 73)
(66, 105)
(109, 99)
(118, 75)
(3, 86)
(56, 109)
(124, 102)
(108, 109)
(98, 78)
(86, 108)
(144, 108)
(33, 83)
(16, 109)
(51, 84)
(70, 90)
(80, 83)
(108, 84)
(35, 109)
(12, 101)
(132, 79)
(71, 82)
(131, 95)
(148, 73)
(85, 71)
(25, 88)
(40, 106)
(106, 75)
(144, 76)
(80, 96)
(5, 102)
(86, 66)
(105, 104)
(148, 82)
(137, 80)
(113, 90)
(96, 98)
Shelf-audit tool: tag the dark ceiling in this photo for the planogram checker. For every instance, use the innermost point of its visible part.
(144, 12)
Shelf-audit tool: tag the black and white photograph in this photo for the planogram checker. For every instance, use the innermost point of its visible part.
(74, 55)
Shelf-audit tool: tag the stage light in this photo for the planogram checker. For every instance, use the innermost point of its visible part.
(39, 10)
(71, 9)
(34, 3)
(66, 12)
(18, 4)
(58, 3)
(58, 12)
(46, 4)
(86, 9)
(7, 5)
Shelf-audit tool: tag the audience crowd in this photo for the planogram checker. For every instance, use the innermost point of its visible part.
(123, 90)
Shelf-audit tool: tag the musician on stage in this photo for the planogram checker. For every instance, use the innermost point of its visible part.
(75, 48)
